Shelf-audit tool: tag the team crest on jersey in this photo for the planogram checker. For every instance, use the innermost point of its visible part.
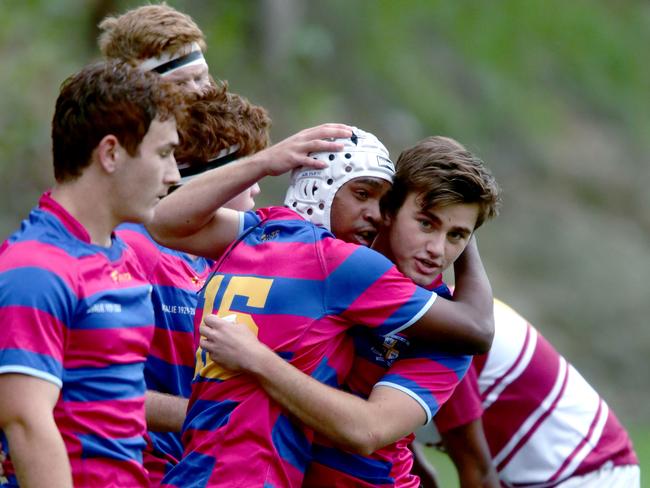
(271, 235)
(118, 277)
(389, 350)
(198, 282)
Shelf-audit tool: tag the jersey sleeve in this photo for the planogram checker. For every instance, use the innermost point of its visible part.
(35, 306)
(427, 377)
(463, 407)
(365, 288)
(248, 220)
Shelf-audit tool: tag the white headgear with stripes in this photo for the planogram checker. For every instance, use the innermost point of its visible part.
(312, 191)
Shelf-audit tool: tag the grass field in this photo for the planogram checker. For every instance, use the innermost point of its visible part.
(640, 438)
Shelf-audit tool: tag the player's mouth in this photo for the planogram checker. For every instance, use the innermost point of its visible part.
(427, 267)
(366, 236)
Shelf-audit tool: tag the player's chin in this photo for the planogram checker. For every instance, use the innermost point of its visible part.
(417, 276)
(145, 215)
(250, 205)
(421, 280)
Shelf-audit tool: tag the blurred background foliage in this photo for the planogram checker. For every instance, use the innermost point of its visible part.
(553, 95)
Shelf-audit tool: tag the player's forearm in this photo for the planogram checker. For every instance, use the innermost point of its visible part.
(465, 324)
(468, 449)
(475, 479)
(474, 292)
(38, 454)
(165, 413)
(422, 468)
(345, 419)
(193, 206)
(36, 447)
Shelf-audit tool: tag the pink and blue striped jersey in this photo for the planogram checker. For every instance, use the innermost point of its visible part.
(300, 290)
(543, 422)
(427, 376)
(177, 278)
(79, 316)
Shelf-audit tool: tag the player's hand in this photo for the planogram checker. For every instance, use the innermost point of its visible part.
(294, 151)
(232, 345)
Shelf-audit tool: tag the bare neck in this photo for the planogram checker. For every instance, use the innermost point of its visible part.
(90, 207)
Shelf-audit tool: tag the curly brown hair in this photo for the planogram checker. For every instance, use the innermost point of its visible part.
(107, 98)
(442, 172)
(147, 31)
(218, 119)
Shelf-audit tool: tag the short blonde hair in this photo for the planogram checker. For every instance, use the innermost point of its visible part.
(146, 32)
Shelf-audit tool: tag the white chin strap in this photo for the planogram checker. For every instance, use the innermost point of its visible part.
(166, 64)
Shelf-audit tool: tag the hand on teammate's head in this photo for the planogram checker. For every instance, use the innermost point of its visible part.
(294, 151)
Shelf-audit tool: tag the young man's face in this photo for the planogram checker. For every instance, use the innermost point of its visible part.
(425, 242)
(193, 78)
(355, 215)
(142, 180)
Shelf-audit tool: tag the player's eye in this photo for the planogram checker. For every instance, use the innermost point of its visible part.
(425, 224)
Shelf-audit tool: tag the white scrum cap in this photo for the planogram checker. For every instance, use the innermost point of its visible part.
(311, 191)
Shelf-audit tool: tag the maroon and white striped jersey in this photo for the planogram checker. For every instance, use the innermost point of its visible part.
(543, 422)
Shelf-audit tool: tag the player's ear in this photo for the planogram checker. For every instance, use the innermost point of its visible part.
(109, 152)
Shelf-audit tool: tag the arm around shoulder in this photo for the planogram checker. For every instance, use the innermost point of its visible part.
(465, 324)
(192, 218)
(352, 422)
